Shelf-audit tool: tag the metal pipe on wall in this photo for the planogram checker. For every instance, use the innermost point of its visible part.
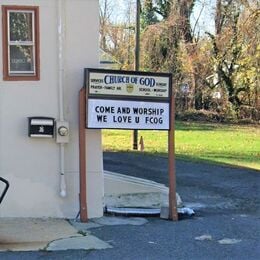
(61, 25)
(137, 59)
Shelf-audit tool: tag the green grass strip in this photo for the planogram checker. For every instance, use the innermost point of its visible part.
(214, 143)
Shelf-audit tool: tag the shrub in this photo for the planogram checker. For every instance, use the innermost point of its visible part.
(200, 115)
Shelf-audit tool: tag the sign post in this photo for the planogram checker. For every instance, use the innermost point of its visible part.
(173, 213)
(82, 156)
(131, 100)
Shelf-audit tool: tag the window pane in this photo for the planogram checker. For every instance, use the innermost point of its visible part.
(21, 59)
(20, 26)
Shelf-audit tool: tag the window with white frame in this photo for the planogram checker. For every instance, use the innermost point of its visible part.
(20, 42)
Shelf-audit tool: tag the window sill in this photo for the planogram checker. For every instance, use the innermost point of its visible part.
(21, 78)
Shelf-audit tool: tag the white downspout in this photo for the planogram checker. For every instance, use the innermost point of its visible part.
(61, 21)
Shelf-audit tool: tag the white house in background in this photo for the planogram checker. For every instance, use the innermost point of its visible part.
(107, 61)
(44, 47)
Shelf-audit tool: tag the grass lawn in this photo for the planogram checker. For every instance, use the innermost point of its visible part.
(216, 143)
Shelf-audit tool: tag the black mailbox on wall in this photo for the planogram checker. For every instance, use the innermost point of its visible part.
(41, 126)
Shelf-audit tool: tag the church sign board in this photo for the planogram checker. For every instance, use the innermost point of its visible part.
(127, 99)
(114, 99)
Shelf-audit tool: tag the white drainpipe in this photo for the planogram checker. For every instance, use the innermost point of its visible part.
(61, 26)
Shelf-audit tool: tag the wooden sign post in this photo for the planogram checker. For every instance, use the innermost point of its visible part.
(82, 156)
(173, 213)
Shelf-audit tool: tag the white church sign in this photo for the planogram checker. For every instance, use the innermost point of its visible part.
(127, 100)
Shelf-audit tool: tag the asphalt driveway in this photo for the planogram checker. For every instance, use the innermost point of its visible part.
(226, 224)
(208, 188)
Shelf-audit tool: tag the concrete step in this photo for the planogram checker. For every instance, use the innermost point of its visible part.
(127, 191)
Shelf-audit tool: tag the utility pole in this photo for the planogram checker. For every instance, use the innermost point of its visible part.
(137, 59)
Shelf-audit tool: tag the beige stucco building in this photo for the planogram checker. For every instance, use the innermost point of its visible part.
(41, 73)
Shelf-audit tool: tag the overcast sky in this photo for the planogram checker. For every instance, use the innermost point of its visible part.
(206, 21)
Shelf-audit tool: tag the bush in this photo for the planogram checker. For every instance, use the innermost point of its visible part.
(212, 117)
(246, 121)
(200, 115)
(249, 112)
